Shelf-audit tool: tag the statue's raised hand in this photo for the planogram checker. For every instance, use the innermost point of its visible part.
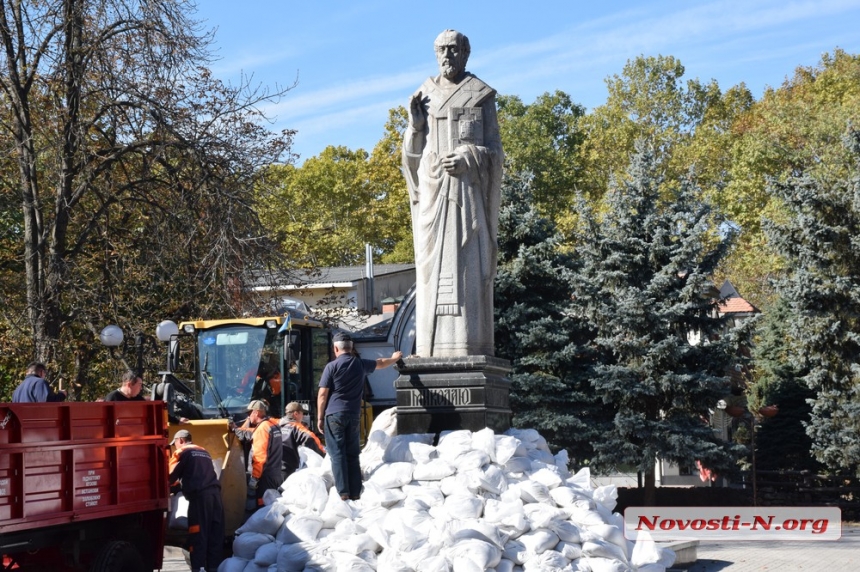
(418, 111)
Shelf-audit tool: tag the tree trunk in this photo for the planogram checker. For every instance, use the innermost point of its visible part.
(649, 493)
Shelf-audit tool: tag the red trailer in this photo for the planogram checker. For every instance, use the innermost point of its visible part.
(83, 486)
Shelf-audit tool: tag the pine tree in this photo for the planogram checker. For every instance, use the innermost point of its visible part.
(820, 240)
(643, 286)
(547, 346)
(781, 441)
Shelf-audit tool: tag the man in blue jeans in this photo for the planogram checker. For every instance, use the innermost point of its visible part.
(339, 412)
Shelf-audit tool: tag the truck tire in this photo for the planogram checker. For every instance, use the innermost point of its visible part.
(118, 556)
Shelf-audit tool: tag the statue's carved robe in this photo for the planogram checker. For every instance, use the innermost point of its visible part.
(455, 218)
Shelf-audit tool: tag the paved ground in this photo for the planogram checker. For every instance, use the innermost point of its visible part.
(840, 556)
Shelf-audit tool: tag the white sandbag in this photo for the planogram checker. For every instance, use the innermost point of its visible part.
(539, 541)
(433, 470)
(517, 465)
(564, 496)
(351, 563)
(294, 557)
(570, 550)
(468, 460)
(310, 458)
(300, 528)
(485, 440)
(646, 552)
(422, 553)
(506, 447)
(506, 565)
(492, 479)
(267, 554)
(547, 477)
(392, 475)
(459, 483)
(336, 510)
(391, 561)
(613, 534)
(356, 544)
(271, 496)
(542, 456)
(254, 567)
(516, 552)
(398, 518)
(430, 495)
(483, 554)
(581, 480)
(377, 495)
(540, 515)
(562, 461)
(579, 565)
(463, 506)
(233, 564)
(265, 520)
(398, 449)
(584, 517)
(566, 531)
(476, 529)
(422, 452)
(436, 563)
(508, 516)
(607, 496)
(246, 545)
(548, 560)
(305, 490)
(600, 548)
(453, 443)
(533, 491)
(598, 564)
(177, 517)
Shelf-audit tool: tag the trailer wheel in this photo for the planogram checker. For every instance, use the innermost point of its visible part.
(118, 556)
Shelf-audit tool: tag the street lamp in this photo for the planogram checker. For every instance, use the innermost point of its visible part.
(166, 332)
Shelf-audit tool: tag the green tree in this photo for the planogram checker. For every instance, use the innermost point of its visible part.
(132, 169)
(818, 239)
(543, 138)
(649, 101)
(644, 288)
(547, 345)
(781, 441)
(793, 129)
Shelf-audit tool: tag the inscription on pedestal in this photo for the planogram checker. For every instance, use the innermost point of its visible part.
(453, 397)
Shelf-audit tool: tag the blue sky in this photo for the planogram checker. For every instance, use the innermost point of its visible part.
(355, 60)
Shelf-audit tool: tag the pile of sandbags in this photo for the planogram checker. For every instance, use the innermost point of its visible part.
(474, 502)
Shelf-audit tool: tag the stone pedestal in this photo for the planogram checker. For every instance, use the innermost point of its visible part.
(439, 394)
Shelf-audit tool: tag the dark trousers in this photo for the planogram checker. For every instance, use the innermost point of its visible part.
(342, 445)
(206, 530)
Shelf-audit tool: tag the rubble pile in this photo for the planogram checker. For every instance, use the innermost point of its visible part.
(474, 502)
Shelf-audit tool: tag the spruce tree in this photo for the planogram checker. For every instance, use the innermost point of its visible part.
(642, 285)
(548, 346)
(820, 241)
(781, 441)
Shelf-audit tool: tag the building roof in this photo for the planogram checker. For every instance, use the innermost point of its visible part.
(737, 305)
(338, 274)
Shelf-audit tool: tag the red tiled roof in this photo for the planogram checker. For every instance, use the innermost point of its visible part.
(736, 305)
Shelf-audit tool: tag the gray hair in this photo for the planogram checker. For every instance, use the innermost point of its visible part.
(343, 346)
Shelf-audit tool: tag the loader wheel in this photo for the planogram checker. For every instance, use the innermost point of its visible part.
(118, 556)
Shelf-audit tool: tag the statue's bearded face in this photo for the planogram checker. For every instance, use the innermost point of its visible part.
(451, 58)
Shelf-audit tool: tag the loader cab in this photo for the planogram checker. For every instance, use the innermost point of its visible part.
(225, 364)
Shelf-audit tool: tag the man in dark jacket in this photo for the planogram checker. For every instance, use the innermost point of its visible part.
(191, 469)
(339, 411)
(132, 383)
(295, 434)
(34, 388)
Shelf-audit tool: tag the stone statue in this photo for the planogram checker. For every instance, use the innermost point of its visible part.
(452, 160)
